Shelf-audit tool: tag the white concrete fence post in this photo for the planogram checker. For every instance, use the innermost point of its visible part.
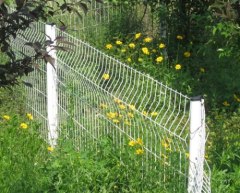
(197, 145)
(52, 95)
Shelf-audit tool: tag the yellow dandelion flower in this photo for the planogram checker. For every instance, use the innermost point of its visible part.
(123, 50)
(6, 117)
(159, 59)
(140, 60)
(132, 107)
(187, 155)
(50, 149)
(154, 114)
(122, 107)
(179, 37)
(154, 50)
(132, 143)
(226, 104)
(129, 59)
(126, 122)
(118, 101)
(106, 76)
(139, 151)
(130, 115)
(145, 113)
(139, 141)
(162, 45)
(29, 116)
(178, 66)
(23, 126)
(103, 106)
(109, 46)
(187, 54)
(145, 51)
(202, 70)
(165, 144)
(118, 42)
(147, 40)
(116, 121)
(111, 115)
(138, 35)
(132, 45)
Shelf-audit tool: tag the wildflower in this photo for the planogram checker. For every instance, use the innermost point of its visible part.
(179, 37)
(129, 59)
(145, 51)
(132, 107)
(161, 45)
(132, 143)
(123, 50)
(103, 106)
(6, 117)
(139, 141)
(187, 54)
(122, 107)
(111, 115)
(130, 115)
(159, 59)
(202, 70)
(140, 59)
(126, 122)
(187, 155)
(145, 113)
(118, 42)
(109, 46)
(116, 121)
(154, 50)
(118, 101)
(132, 45)
(226, 104)
(165, 144)
(50, 149)
(106, 76)
(139, 151)
(29, 116)
(178, 66)
(154, 114)
(23, 126)
(147, 39)
(138, 35)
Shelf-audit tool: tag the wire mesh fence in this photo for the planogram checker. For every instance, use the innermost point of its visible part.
(99, 95)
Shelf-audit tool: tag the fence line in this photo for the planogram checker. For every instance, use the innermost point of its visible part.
(99, 95)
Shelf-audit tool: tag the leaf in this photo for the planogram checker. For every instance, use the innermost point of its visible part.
(27, 84)
(50, 60)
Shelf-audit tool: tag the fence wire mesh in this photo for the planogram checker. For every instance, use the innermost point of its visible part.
(99, 95)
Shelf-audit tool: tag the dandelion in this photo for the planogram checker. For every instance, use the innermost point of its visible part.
(111, 115)
(109, 46)
(178, 66)
(165, 144)
(50, 149)
(118, 101)
(116, 121)
(179, 37)
(130, 115)
(132, 107)
(154, 114)
(126, 122)
(129, 59)
(118, 42)
(187, 155)
(159, 59)
(145, 51)
(147, 40)
(226, 104)
(139, 141)
(145, 113)
(138, 35)
(123, 50)
(106, 76)
(122, 107)
(103, 106)
(140, 60)
(132, 143)
(23, 126)
(29, 116)
(187, 54)
(139, 151)
(202, 70)
(161, 45)
(6, 117)
(132, 45)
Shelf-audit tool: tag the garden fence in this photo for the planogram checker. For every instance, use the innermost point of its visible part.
(87, 94)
